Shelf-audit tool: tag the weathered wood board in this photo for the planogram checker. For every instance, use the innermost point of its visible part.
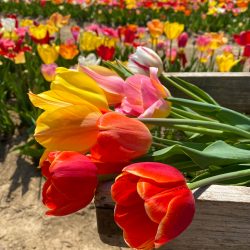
(231, 90)
(221, 222)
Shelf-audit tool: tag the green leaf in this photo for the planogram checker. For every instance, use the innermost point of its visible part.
(218, 153)
(120, 70)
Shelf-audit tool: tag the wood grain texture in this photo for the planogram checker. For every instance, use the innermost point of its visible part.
(222, 220)
(228, 89)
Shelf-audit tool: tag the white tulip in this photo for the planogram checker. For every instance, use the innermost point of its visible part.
(8, 24)
(88, 60)
(143, 59)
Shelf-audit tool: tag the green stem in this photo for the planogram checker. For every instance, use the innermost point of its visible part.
(205, 124)
(219, 178)
(160, 145)
(206, 131)
(190, 114)
(184, 90)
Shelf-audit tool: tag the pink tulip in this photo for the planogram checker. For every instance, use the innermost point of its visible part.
(49, 71)
(144, 96)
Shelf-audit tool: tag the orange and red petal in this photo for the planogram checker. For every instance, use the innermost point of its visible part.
(178, 217)
(155, 171)
(138, 230)
(124, 192)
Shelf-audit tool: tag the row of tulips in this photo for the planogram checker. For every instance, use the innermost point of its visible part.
(186, 6)
(104, 122)
(28, 47)
(199, 15)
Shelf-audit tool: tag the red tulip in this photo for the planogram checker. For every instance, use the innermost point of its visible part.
(246, 51)
(182, 40)
(106, 53)
(153, 204)
(120, 138)
(243, 38)
(71, 182)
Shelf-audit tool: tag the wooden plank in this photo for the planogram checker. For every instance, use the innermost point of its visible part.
(231, 90)
(222, 220)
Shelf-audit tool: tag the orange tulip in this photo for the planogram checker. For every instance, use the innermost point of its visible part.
(155, 28)
(120, 138)
(68, 51)
(58, 20)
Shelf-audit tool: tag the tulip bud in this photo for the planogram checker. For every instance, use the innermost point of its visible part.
(143, 59)
(120, 138)
(182, 40)
(49, 71)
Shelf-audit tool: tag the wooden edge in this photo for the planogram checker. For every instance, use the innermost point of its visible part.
(208, 74)
(222, 220)
(217, 193)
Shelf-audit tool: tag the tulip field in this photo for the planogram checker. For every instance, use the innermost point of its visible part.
(85, 85)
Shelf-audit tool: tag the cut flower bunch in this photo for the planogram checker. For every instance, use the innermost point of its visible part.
(116, 122)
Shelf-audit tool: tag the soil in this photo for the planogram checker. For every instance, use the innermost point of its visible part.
(23, 223)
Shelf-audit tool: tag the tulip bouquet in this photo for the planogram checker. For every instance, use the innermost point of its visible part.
(116, 122)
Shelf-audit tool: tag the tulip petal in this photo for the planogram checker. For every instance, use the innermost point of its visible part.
(160, 108)
(138, 230)
(81, 85)
(162, 91)
(147, 188)
(53, 99)
(110, 83)
(178, 217)
(68, 128)
(124, 191)
(157, 205)
(47, 100)
(158, 172)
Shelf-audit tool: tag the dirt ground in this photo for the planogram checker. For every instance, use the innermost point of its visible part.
(23, 224)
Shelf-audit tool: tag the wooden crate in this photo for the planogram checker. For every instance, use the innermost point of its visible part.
(231, 90)
(222, 218)
(221, 222)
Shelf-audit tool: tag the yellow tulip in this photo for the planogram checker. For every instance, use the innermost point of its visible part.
(130, 4)
(39, 32)
(72, 108)
(68, 128)
(48, 53)
(70, 87)
(89, 41)
(26, 22)
(225, 62)
(173, 30)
